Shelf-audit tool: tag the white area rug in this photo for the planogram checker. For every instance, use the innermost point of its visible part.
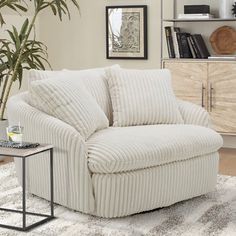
(211, 214)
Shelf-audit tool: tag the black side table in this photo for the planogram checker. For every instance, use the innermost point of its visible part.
(23, 154)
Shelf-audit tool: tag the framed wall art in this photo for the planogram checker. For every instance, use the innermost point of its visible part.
(126, 32)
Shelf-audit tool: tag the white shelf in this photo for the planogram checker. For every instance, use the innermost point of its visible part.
(199, 20)
(197, 60)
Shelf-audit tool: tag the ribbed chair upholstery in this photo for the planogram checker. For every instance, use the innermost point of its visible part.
(120, 171)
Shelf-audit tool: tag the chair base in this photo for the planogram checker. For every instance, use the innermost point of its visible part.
(128, 193)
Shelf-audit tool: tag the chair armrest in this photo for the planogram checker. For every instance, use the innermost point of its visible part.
(194, 114)
(73, 185)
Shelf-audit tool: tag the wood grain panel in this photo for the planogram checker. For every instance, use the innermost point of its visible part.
(188, 79)
(222, 78)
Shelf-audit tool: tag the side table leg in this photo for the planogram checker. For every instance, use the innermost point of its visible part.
(23, 194)
(51, 182)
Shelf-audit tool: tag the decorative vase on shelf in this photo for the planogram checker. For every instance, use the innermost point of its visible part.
(225, 9)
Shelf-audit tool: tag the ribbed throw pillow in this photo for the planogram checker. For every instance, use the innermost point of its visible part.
(93, 79)
(142, 97)
(69, 102)
(95, 82)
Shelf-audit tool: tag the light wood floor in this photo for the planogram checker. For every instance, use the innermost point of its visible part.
(6, 160)
(227, 161)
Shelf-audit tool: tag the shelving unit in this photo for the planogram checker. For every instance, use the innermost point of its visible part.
(205, 82)
(175, 21)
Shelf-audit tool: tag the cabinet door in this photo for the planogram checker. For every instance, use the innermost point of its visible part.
(222, 96)
(189, 81)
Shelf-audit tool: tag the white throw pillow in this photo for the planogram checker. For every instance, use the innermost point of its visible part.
(142, 97)
(96, 83)
(69, 102)
(42, 74)
(94, 80)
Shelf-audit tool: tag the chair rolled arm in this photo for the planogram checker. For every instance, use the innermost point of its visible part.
(194, 114)
(71, 175)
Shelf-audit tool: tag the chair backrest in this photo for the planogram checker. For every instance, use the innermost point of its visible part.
(94, 80)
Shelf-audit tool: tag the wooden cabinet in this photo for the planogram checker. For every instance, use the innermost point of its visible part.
(209, 84)
(222, 83)
(189, 81)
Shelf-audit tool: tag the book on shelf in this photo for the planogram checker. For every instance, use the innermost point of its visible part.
(191, 46)
(201, 46)
(195, 16)
(196, 50)
(184, 45)
(174, 31)
(193, 9)
(169, 42)
(222, 57)
(181, 55)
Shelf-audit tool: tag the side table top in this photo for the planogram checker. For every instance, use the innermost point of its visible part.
(17, 152)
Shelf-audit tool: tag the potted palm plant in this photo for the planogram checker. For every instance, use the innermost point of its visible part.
(20, 52)
(15, 6)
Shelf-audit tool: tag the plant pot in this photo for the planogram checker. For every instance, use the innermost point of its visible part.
(3, 133)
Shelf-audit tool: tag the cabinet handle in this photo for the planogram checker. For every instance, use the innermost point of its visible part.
(211, 95)
(203, 95)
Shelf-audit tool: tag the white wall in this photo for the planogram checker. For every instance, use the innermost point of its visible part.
(80, 43)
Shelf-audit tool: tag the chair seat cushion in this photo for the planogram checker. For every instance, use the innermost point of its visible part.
(119, 149)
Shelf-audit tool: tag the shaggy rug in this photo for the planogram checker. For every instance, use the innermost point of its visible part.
(211, 214)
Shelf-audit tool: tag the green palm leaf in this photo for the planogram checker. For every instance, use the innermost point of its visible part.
(21, 53)
(15, 5)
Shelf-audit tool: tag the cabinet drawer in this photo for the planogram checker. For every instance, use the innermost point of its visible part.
(222, 97)
(189, 81)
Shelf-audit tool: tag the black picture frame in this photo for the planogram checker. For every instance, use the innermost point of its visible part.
(126, 18)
